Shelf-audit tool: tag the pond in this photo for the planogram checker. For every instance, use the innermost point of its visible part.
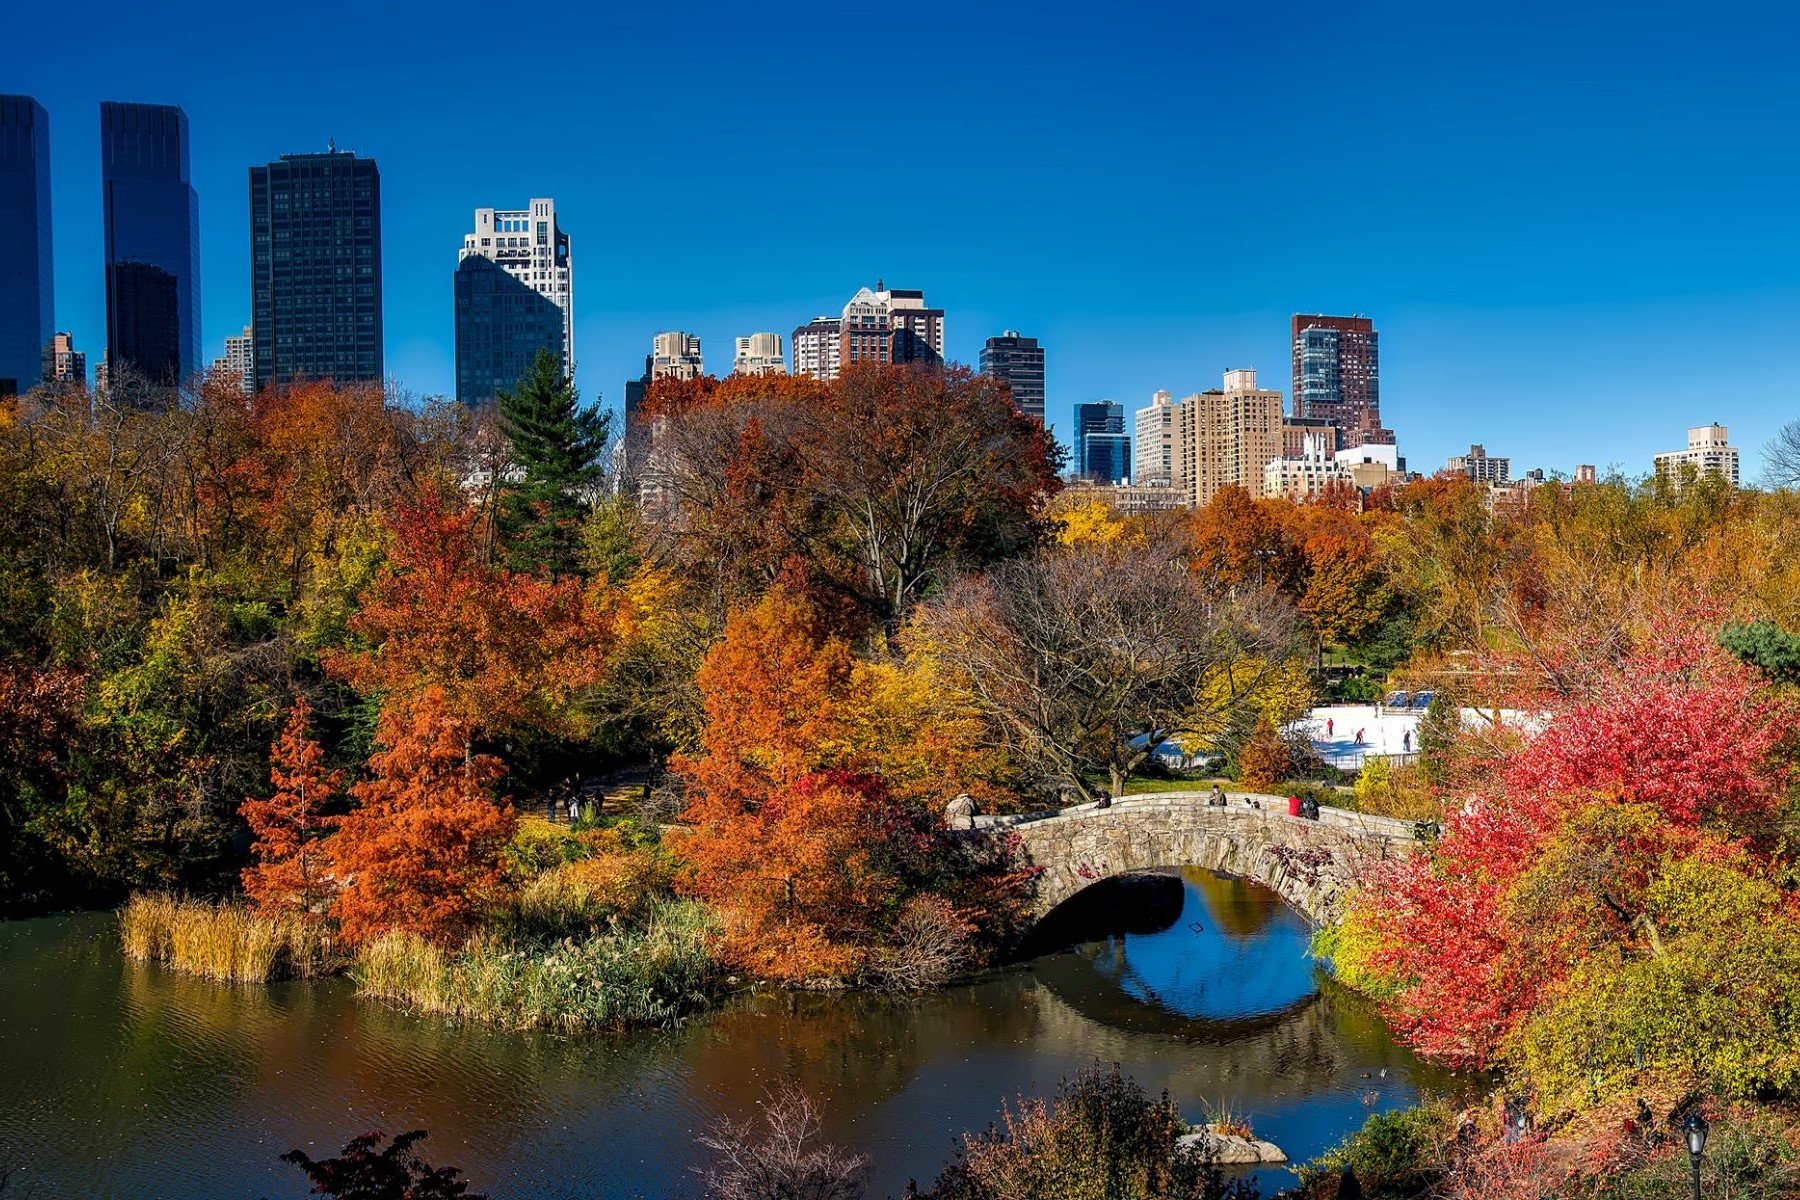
(118, 1080)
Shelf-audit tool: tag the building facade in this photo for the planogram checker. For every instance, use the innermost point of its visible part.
(239, 361)
(1020, 362)
(676, 355)
(1481, 467)
(315, 268)
(1337, 375)
(878, 325)
(1228, 437)
(1154, 430)
(1102, 447)
(816, 348)
(1709, 452)
(28, 294)
(514, 291)
(152, 243)
(759, 354)
(63, 363)
(1303, 476)
(1297, 432)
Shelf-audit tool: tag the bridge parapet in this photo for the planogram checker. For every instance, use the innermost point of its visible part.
(1310, 863)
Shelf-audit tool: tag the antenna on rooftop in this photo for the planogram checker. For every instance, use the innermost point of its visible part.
(331, 145)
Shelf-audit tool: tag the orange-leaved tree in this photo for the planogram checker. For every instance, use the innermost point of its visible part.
(421, 853)
(503, 650)
(291, 873)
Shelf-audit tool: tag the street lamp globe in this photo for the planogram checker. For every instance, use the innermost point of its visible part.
(1695, 1128)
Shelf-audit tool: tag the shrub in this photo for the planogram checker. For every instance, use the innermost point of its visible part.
(1751, 1154)
(931, 943)
(1101, 1135)
(392, 1173)
(227, 942)
(1265, 758)
(784, 1160)
(649, 972)
(1394, 1156)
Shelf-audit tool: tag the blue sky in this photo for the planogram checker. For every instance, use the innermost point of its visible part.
(1577, 227)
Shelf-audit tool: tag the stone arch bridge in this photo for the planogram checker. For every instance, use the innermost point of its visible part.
(1309, 863)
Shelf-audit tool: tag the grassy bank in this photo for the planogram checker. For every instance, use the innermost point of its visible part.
(224, 942)
(644, 973)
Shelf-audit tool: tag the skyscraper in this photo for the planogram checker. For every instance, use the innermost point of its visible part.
(1102, 447)
(315, 268)
(27, 295)
(1019, 361)
(1153, 444)
(878, 325)
(816, 347)
(152, 242)
(1228, 437)
(676, 355)
(63, 363)
(759, 354)
(239, 360)
(1337, 376)
(514, 292)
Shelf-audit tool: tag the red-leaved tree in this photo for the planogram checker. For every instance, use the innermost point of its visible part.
(421, 852)
(291, 872)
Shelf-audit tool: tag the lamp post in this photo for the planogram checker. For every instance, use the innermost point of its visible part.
(1695, 1128)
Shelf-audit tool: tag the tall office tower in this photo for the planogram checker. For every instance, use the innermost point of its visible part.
(513, 298)
(1228, 437)
(1480, 466)
(239, 361)
(1153, 446)
(1019, 361)
(152, 242)
(315, 268)
(759, 354)
(1709, 452)
(676, 355)
(28, 295)
(1102, 447)
(916, 331)
(1337, 376)
(816, 348)
(63, 363)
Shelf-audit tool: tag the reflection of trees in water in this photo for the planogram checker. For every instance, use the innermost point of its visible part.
(1240, 909)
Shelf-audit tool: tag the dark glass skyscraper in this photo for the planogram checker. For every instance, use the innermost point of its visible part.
(152, 242)
(1019, 361)
(513, 299)
(27, 296)
(315, 268)
(1102, 447)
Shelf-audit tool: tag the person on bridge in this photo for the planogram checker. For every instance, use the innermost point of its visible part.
(1216, 797)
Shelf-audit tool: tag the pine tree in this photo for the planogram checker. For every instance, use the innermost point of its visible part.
(557, 445)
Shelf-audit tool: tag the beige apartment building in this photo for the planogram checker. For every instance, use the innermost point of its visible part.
(1228, 436)
(1709, 451)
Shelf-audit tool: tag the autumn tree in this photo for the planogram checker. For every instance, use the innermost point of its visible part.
(557, 446)
(1265, 759)
(1084, 661)
(421, 850)
(504, 651)
(290, 874)
(40, 726)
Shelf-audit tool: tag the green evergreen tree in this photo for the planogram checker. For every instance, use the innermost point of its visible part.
(1767, 647)
(557, 445)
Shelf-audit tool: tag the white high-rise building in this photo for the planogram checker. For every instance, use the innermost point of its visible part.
(759, 354)
(1709, 451)
(530, 246)
(676, 355)
(239, 359)
(1153, 440)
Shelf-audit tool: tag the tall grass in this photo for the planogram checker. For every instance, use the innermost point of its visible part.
(226, 942)
(648, 972)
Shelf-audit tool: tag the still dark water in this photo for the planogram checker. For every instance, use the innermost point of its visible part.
(125, 1081)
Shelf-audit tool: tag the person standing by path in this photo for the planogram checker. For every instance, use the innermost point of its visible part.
(1330, 726)
(1406, 742)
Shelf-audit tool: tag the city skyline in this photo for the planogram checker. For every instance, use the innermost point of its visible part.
(1507, 239)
